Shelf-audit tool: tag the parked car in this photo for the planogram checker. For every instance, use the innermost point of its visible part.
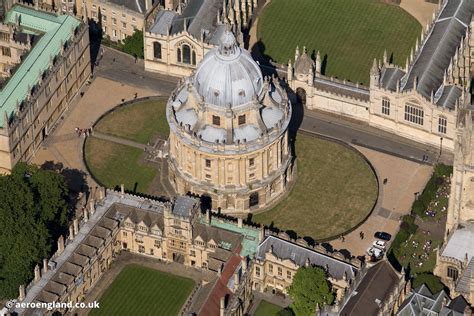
(380, 244)
(383, 236)
(375, 253)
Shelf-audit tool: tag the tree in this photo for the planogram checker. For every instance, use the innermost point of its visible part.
(310, 287)
(133, 45)
(33, 213)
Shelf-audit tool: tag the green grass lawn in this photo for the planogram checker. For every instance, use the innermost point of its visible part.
(113, 164)
(350, 32)
(267, 309)
(139, 122)
(142, 291)
(411, 253)
(334, 191)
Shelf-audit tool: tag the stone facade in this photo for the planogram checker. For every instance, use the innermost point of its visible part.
(34, 116)
(118, 19)
(13, 46)
(229, 132)
(419, 101)
(177, 35)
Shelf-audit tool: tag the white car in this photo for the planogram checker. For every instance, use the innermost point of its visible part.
(374, 252)
(380, 244)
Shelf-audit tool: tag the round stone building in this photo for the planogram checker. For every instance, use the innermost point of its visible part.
(229, 132)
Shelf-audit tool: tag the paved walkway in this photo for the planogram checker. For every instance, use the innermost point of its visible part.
(404, 178)
(118, 140)
(64, 145)
(420, 10)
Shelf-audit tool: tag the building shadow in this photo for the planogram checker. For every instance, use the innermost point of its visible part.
(265, 61)
(95, 39)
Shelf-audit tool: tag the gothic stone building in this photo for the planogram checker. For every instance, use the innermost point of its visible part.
(235, 259)
(229, 132)
(56, 64)
(178, 34)
(419, 101)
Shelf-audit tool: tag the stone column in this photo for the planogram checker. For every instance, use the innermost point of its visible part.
(86, 215)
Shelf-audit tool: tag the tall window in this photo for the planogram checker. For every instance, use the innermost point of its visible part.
(442, 125)
(385, 106)
(157, 50)
(186, 54)
(208, 163)
(241, 119)
(414, 114)
(216, 120)
(257, 271)
(452, 273)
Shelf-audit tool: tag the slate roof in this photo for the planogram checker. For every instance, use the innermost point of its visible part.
(184, 206)
(455, 308)
(439, 48)
(283, 249)
(463, 285)
(376, 286)
(389, 78)
(449, 96)
(224, 238)
(200, 16)
(342, 89)
(421, 301)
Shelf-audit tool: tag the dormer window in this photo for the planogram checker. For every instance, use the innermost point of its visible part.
(242, 93)
(216, 120)
(216, 93)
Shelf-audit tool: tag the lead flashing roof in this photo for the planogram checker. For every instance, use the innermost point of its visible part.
(56, 30)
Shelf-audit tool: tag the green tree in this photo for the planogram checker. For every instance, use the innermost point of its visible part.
(133, 45)
(33, 213)
(310, 287)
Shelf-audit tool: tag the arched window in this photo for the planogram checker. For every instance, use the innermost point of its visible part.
(157, 50)
(194, 58)
(179, 55)
(186, 54)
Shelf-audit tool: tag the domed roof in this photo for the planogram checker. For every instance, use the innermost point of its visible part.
(228, 75)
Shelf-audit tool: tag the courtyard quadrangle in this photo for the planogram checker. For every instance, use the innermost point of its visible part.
(349, 33)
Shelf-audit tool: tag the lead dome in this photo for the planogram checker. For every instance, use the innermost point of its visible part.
(228, 75)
